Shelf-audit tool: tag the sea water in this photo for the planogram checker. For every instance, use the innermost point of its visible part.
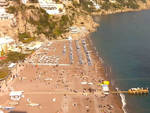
(123, 41)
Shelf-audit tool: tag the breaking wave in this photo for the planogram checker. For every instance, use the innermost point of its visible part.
(123, 100)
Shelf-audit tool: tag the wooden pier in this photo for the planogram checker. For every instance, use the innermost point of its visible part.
(133, 91)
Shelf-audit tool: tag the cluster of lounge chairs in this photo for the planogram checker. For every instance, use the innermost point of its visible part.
(78, 52)
(71, 53)
(87, 53)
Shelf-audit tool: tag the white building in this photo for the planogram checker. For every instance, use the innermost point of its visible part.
(97, 6)
(51, 7)
(24, 1)
(105, 89)
(4, 15)
(45, 2)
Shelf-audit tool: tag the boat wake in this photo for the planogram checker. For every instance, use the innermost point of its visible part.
(123, 100)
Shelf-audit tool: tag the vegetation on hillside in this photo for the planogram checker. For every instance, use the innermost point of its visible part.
(87, 5)
(25, 37)
(15, 57)
(4, 72)
(121, 4)
(11, 9)
(54, 26)
(50, 26)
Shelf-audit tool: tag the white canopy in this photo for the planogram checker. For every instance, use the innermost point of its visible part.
(15, 93)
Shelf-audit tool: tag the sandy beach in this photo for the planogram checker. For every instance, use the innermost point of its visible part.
(53, 78)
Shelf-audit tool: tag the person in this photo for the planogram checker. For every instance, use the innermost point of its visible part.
(13, 76)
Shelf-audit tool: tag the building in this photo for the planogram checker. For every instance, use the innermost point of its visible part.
(97, 6)
(51, 7)
(45, 2)
(105, 89)
(4, 15)
(3, 3)
(5, 45)
(112, 1)
(24, 1)
(54, 9)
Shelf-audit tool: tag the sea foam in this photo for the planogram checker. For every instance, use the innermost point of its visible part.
(123, 100)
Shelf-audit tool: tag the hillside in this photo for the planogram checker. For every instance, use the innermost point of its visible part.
(33, 23)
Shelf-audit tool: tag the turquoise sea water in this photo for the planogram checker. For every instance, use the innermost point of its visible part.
(123, 41)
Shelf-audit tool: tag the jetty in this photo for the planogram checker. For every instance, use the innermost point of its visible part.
(133, 91)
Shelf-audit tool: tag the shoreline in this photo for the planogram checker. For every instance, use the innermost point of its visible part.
(120, 99)
(119, 11)
(117, 98)
(114, 97)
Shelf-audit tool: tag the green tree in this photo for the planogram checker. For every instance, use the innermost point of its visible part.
(25, 37)
(4, 72)
(11, 9)
(15, 56)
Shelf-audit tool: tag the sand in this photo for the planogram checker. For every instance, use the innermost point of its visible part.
(56, 84)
